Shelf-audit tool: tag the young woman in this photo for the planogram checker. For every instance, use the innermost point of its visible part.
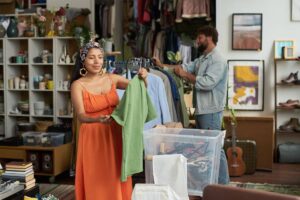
(99, 154)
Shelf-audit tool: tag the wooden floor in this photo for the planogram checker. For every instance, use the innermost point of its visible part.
(288, 174)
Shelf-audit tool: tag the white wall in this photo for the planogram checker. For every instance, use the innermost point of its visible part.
(277, 24)
(54, 4)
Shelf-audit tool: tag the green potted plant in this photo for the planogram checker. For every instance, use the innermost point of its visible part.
(174, 58)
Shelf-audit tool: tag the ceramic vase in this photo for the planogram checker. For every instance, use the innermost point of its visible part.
(12, 29)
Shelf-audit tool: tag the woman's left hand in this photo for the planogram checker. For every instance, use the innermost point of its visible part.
(143, 73)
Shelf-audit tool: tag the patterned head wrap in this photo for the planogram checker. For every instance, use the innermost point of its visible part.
(85, 49)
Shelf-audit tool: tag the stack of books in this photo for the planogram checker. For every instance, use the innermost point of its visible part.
(20, 171)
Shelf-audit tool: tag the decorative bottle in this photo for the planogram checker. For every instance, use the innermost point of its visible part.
(12, 29)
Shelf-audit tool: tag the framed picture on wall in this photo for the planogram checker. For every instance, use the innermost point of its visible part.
(289, 53)
(295, 15)
(280, 45)
(247, 31)
(246, 85)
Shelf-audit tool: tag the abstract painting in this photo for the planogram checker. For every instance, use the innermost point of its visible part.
(247, 31)
(295, 10)
(246, 84)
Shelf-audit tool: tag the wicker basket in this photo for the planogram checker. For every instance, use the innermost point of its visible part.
(28, 33)
(42, 126)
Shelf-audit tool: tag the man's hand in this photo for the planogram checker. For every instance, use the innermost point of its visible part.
(185, 75)
(157, 62)
(179, 71)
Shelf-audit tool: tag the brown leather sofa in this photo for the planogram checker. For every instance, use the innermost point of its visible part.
(221, 192)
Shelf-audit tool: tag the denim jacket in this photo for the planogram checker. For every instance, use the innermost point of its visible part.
(210, 89)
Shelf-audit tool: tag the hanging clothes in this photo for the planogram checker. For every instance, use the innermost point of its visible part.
(132, 112)
(159, 46)
(192, 9)
(178, 18)
(171, 43)
(140, 10)
(180, 106)
(174, 89)
(139, 50)
(158, 97)
(148, 46)
(168, 90)
(103, 17)
(186, 53)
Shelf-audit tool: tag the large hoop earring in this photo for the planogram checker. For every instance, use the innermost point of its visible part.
(101, 72)
(83, 71)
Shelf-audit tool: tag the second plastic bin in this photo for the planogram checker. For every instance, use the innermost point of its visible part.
(201, 148)
(31, 138)
(54, 139)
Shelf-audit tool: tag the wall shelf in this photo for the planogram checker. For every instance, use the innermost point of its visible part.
(56, 99)
(283, 92)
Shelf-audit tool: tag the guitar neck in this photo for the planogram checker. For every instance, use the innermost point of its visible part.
(233, 135)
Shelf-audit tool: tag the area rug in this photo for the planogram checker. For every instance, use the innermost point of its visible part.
(62, 192)
(66, 192)
(283, 189)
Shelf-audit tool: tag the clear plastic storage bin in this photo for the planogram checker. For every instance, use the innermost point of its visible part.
(32, 138)
(54, 139)
(201, 148)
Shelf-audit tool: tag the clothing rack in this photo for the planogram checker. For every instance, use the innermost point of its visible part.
(133, 64)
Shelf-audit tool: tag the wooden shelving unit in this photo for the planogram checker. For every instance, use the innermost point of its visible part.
(60, 157)
(283, 92)
(56, 98)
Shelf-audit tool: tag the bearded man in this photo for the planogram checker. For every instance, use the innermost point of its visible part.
(208, 74)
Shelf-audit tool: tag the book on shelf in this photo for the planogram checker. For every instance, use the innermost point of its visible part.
(18, 165)
(22, 179)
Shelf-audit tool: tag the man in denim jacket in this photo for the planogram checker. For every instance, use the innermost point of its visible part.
(209, 75)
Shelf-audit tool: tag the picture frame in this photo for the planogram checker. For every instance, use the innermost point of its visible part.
(247, 31)
(289, 53)
(246, 85)
(295, 14)
(279, 46)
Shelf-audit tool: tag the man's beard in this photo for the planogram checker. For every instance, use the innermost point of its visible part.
(202, 48)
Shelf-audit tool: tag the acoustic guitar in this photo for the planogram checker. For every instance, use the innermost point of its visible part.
(236, 165)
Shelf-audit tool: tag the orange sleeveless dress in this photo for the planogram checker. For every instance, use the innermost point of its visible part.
(99, 155)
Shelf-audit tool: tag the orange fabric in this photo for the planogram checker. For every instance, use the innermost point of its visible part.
(99, 156)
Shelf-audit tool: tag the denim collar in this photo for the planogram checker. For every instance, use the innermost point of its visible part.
(205, 56)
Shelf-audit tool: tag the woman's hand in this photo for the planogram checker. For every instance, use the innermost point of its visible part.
(105, 119)
(143, 73)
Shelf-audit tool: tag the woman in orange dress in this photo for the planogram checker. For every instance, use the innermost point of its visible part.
(99, 154)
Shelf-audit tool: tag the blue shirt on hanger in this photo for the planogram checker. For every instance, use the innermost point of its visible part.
(158, 96)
